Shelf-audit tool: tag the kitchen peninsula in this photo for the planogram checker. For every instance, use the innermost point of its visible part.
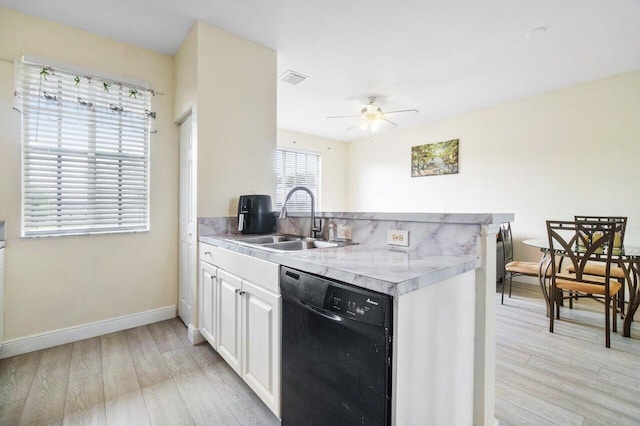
(442, 286)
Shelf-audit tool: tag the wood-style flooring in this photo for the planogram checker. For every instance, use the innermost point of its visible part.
(152, 375)
(568, 377)
(149, 375)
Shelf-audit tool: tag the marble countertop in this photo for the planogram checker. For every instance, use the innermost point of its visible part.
(386, 270)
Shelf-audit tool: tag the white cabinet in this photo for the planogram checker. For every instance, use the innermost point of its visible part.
(240, 317)
(229, 319)
(208, 296)
(261, 327)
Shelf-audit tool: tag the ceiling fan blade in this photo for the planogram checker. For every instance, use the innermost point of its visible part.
(390, 122)
(415, 111)
(345, 116)
(358, 124)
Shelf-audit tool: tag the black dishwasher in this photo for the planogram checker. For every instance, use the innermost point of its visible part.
(336, 352)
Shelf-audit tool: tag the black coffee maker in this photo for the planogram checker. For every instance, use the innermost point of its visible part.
(255, 214)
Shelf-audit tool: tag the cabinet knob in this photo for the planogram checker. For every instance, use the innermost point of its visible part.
(241, 292)
(207, 253)
(237, 290)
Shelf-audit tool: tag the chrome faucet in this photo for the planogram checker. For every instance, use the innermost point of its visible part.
(313, 229)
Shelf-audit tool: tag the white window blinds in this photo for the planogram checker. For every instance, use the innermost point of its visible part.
(296, 168)
(85, 153)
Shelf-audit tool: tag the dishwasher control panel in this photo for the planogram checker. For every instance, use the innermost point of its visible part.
(367, 307)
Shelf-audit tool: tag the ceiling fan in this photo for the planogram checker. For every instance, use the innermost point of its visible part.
(372, 116)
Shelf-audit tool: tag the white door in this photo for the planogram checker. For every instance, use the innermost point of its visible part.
(229, 287)
(187, 265)
(261, 343)
(208, 299)
(2, 250)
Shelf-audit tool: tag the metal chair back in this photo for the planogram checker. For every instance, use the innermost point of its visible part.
(507, 241)
(581, 241)
(619, 239)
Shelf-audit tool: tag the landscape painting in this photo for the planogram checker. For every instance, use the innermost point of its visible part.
(435, 159)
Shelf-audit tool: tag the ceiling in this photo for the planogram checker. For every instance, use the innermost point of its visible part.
(442, 57)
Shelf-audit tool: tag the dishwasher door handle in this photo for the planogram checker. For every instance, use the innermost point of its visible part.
(327, 315)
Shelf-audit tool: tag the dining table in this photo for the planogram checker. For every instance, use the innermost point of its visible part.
(627, 257)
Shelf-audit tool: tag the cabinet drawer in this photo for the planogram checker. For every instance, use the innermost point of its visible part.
(209, 253)
(260, 272)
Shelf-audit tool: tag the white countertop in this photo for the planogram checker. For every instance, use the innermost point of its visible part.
(386, 270)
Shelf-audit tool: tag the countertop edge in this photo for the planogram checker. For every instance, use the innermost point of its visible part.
(392, 288)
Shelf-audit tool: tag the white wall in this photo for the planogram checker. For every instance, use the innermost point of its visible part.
(52, 283)
(570, 151)
(333, 173)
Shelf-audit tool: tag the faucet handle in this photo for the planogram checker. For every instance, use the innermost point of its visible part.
(316, 227)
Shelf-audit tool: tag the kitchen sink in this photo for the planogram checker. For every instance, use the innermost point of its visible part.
(301, 245)
(268, 239)
(287, 242)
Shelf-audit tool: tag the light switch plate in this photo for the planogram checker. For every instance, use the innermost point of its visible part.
(396, 237)
(344, 232)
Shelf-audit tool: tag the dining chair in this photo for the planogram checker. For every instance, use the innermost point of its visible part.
(598, 268)
(579, 243)
(514, 268)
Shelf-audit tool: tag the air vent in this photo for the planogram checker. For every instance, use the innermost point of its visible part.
(293, 78)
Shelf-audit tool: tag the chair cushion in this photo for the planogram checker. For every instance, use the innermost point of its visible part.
(599, 269)
(523, 268)
(584, 287)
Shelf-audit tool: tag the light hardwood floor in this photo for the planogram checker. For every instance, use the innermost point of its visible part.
(153, 375)
(568, 377)
(149, 375)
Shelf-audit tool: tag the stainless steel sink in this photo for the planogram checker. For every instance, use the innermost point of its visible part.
(305, 244)
(267, 239)
(287, 242)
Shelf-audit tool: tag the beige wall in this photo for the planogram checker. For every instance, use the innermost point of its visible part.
(571, 151)
(52, 283)
(186, 75)
(333, 154)
(235, 100)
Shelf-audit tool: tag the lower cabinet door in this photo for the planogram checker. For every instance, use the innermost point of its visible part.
(228, 319)
(208, 323)
(261, 343)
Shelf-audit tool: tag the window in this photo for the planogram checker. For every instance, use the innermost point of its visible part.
(295, 168)
(85, 150)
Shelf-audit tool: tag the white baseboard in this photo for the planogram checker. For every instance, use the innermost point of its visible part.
(62, 336)
(194, 336)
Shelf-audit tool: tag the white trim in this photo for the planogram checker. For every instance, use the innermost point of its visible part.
(37, 60)
(62, 336)
(298, 150)
(194, 335)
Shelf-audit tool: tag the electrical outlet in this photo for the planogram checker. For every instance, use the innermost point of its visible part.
(396, 237)
(344, 232)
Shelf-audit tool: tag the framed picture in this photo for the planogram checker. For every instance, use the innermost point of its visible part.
(435, 159)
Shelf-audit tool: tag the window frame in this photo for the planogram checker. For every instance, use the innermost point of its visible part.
(317, 193)
(96, 164)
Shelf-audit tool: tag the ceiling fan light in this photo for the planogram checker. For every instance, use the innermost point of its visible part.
(375, 125)
(364, 125)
